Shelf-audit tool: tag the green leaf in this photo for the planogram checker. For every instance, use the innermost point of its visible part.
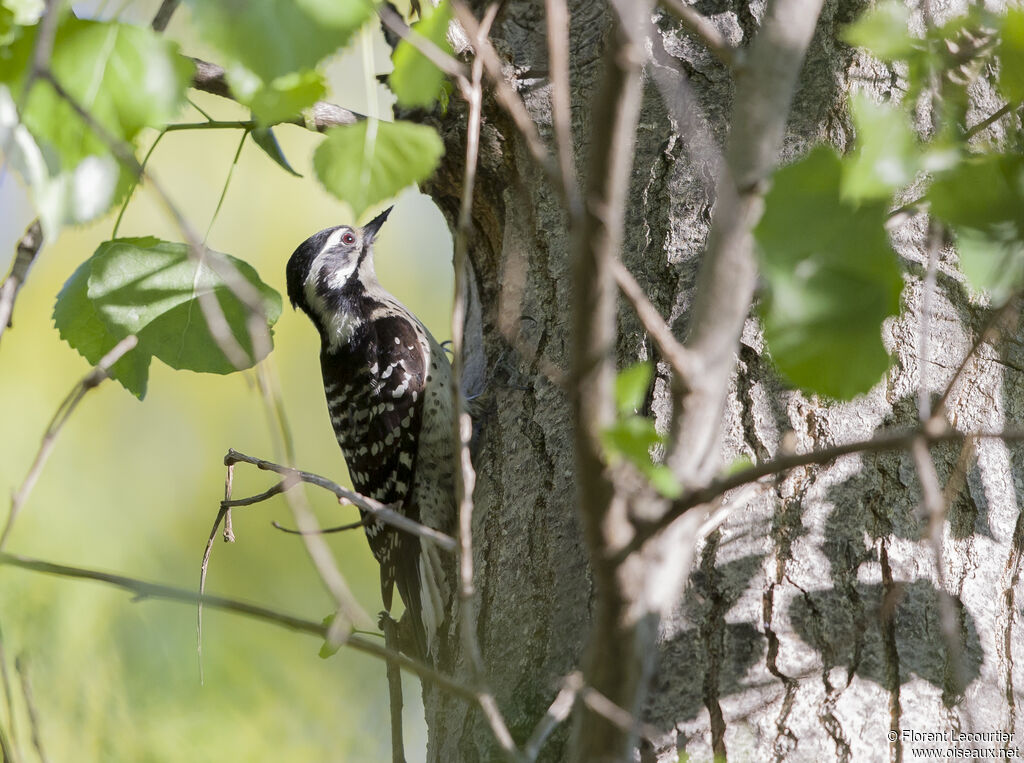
(60, 196)
(831, 278)
(632, 438)
(1011, 56)
(884, 31)
(370, 161)
(271, 38)
(887, 154)
(328, 649)
(26, 12)
(80, 325)
(983, 201)
(416, 81)
(287, 96)
(151, 288)
(264, 138)
(631, 385)
(126, 77)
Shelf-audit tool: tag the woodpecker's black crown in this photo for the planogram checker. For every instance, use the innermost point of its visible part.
(335, 254)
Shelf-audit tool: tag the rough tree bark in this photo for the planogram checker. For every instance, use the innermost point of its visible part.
(810, 625)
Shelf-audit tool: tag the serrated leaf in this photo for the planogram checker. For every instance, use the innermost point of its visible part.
(126, 77)
(631, 385)
(272, 38)
(264, 138)
(416, 81)
(370, 161)
(151, 288)
(287, 96)
(81, 326)
(1011, 56)
(983, 201)
(831, 279)
(887, 154)
(884, 31)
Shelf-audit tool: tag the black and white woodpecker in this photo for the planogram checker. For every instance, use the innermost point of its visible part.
(388, 386)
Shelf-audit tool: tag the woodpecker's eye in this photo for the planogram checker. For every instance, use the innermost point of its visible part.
(348, 238)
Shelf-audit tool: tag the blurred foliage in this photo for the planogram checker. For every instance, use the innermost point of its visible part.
(830, 277)
(134, 487)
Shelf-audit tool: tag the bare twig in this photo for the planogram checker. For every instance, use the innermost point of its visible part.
(9, 739)
(447, 63)
(701, 27)
(881, 442)
(21, 665)
(379, 510)
(728, 273)
(394, 692)
(561, 103)
(60, 418)
(671, 349)
(323, 530)
(211, 78)
(28, 248)
(462, 425)
(990, 120)
(163, 14)
(556, 714)
(145, 590)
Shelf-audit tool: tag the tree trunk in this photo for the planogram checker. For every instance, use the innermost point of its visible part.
(811, 624)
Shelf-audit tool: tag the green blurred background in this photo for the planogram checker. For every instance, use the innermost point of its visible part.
(133, 487)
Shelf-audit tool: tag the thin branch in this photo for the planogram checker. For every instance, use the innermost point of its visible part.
(394, 676)
(211, 78)
(60, 418)
(324, 530)
(559, 710)
(30, 706)
(462, 425)
(163, 14)
(671, 349)
(880, 443)
(9, 740)
(379, 510)
(145, 590)
(25, 254)
(700, 26)
(990, 120)
(557, 14)
(506, 96)
(447, 63)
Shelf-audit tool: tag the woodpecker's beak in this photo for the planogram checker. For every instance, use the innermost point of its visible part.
(371, 228)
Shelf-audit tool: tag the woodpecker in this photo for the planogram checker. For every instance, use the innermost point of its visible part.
(388, 388)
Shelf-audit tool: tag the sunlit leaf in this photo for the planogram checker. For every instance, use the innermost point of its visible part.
(151, 288)
(287, 96)
(631, 438)
(370, 161)
(830, 279)
(272, 38)
(887, 153)
(416, 81)
(983, 201)
(1011, 56)
(126, 77)
(631, 385)
(884, 31)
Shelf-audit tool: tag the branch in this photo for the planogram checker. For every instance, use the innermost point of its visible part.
(377, 509)
(728, 273)
(144, 590)
(21, 666)
(60, 418)
(210, 78)
(675, 354)
(882, 442)
(394, 676)
(163, 14)
(700, 26)
(28, 247)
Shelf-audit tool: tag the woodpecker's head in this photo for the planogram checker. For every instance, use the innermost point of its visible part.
(333, 267)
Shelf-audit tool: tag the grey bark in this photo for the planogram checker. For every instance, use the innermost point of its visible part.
(810, 625)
